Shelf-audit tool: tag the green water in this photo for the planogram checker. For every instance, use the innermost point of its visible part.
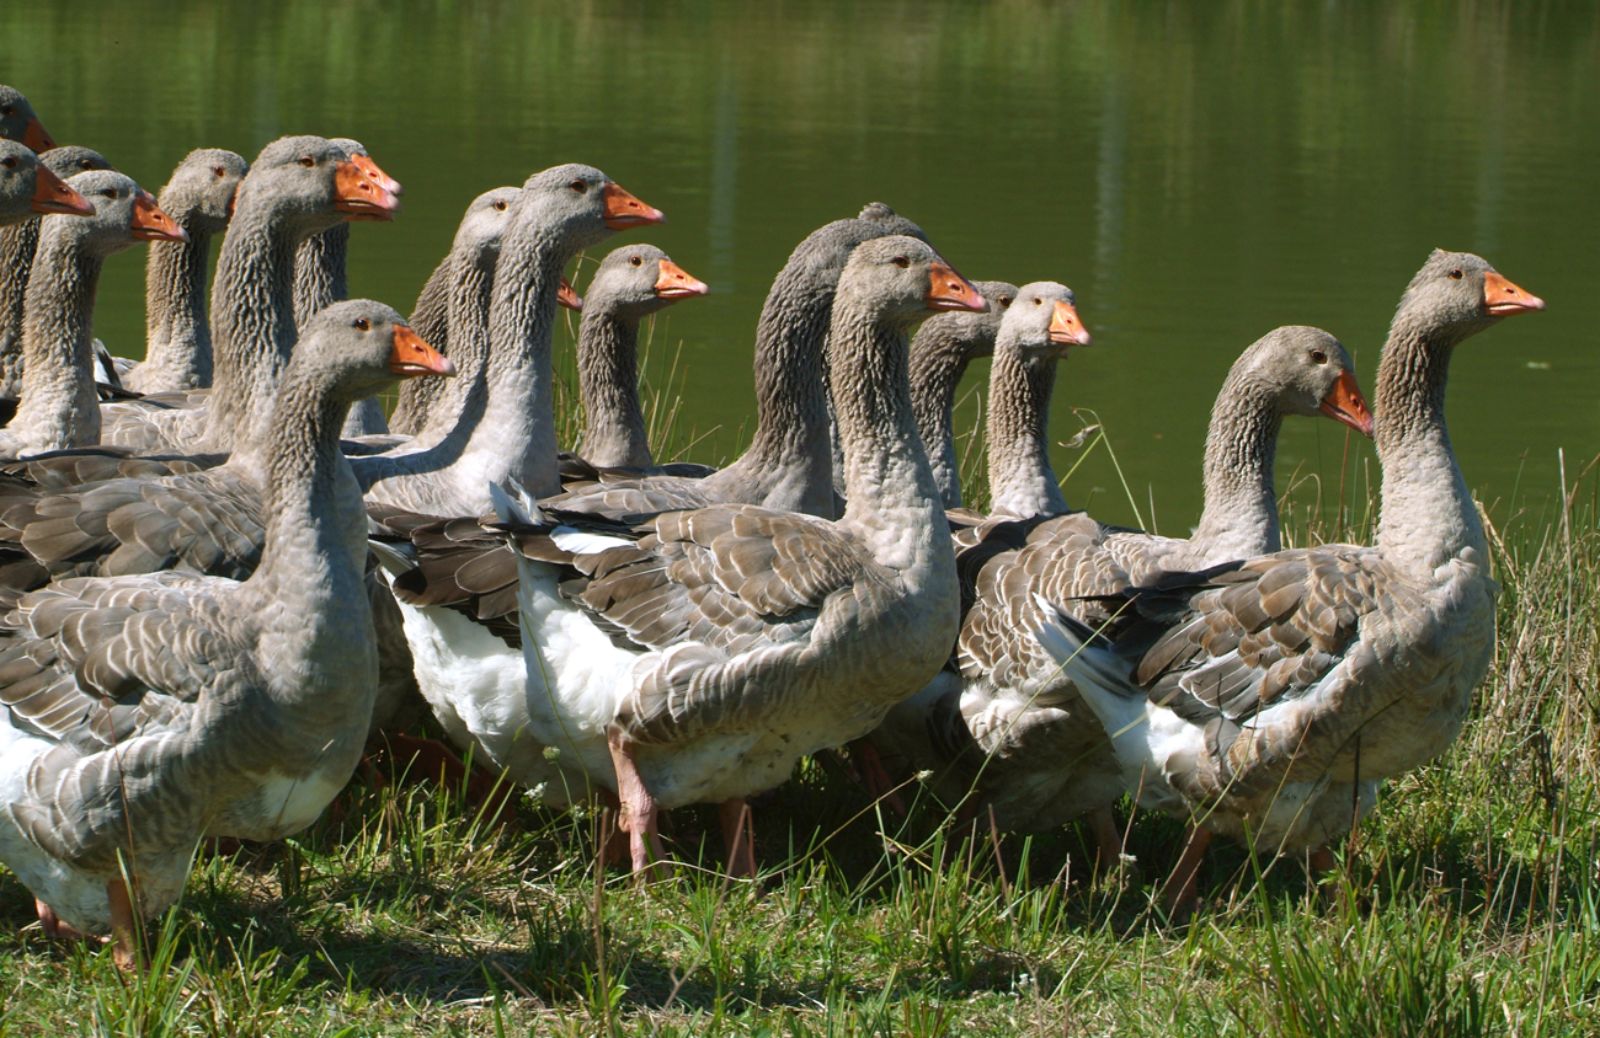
(1198, 172)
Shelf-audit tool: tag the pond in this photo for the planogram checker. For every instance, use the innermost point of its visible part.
(1199, 173)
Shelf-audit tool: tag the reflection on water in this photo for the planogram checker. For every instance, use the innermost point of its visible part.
(1198, 172)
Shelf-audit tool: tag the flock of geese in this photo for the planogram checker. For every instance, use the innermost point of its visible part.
(222, 576)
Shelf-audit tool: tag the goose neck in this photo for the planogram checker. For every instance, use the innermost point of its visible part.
(893, 504)
(791, 394)
(458, 405)
(1021, 479)
(252, 324)
(614, 433)
(1427, 515)
(177, 335)
(319, 272)
(59, 408)
(1240, 514)
(938, 360)
(18, 243)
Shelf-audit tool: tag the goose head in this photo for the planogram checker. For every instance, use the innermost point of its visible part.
(314, 183)
(362, 347)
(1305, 371)
(1461, 294)
(124, 213)
(637, 280)
(28, 187)
(18, 123)
(581, 205)
(904, 279)
(1043, 322)
(201, 191)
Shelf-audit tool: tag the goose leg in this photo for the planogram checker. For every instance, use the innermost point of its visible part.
(739, 837)
(1179, 892)
(124, 932)
(872, 774)
(637, 816)
(1107, 839)
(52, 925)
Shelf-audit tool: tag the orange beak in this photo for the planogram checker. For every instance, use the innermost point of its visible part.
(151, 223)
(1502, 297)
(1344, 403)
(568, 296)
(379, 177)
(623, 210)
(1065, 328)
(676, 283)
(948, 290)
(410, 356)
(51, 194)
(359, 196)
(35, 137)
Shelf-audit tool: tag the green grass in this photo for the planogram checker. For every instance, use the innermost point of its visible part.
(1467, 904)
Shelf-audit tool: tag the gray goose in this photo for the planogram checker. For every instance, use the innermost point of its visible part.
(18, 243)
(940, 353)
(630, 284)
(789, 463)
(695, 657)
(199, 196)
(60, 407)
(296, 187)
(141, 714)
(1270, 705)
(29, 188)
(1003, 728)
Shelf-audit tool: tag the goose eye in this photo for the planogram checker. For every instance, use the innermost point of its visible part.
(109, 192)
(85, 165)
(1037, 301)
(1004, 301)
(361, 323)
(8, 110)
(635, 260)
(901, 261)
(501, 206)
(307, 161)
(1455, 275)
(579, 186)
(219, 171)
(1318, 357)
(9, 162)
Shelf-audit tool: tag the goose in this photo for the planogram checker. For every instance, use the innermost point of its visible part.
(1270, 704)
(697, 656)
(296, 186)
(59, 408)
(940, 353)
(18, 243)
(199, 196)
(143, 713)
(630, 284)
(1002, 729)
(789, 463)
(19, 123)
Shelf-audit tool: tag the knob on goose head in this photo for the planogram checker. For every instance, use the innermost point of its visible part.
(18, 123)
(1462, 292)
(581, 205)
(906, 279)
(1304, 371)
(201, 191)
(28, 187)
(364, 346)
(1043, 322)
(315, 184)
(124, 213)
(635, 281)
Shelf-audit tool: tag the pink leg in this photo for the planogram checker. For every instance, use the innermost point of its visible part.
(1107, 839)
(1179, 893)
(124, 931)
(869, 767)
(739, 837)
(638, 814)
